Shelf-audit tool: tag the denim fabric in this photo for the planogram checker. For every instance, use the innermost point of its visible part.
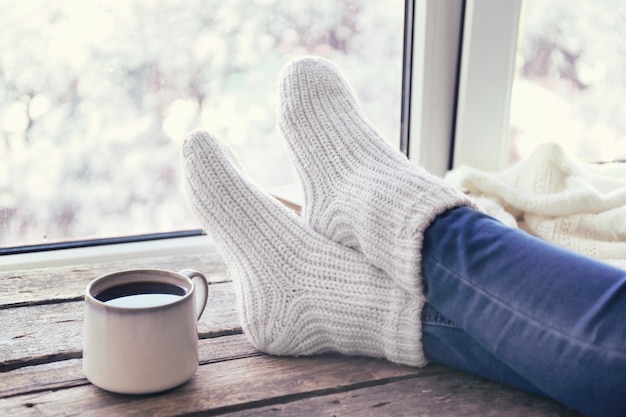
(447, 344)
(529, 314)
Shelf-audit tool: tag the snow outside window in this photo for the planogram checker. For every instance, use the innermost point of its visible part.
(570, 82)
(95, 98)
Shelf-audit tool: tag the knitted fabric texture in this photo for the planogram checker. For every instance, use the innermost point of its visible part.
(298, 293)
(358, 191)
(577, 205)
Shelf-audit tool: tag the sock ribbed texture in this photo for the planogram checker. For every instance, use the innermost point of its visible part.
(298, 293)
(358, 191)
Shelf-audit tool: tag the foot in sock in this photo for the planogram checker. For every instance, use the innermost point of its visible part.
(298, 292)
(358, 191)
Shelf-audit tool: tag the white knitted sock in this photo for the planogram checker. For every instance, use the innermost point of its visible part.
(358, 190)
(298, 292)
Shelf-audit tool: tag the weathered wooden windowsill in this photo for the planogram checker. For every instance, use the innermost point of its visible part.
(41, 374)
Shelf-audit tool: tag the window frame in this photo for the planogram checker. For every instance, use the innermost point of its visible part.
(486, 78)
(170, 246)
(437, 41)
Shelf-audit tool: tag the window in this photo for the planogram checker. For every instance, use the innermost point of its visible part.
(90, 126)
(537, 71)
(569, 84)
(95, 98)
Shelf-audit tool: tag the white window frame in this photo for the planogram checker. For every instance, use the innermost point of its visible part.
(436, 43)
(460, 102)
(450, 109)
(486, 79)
(179, 246)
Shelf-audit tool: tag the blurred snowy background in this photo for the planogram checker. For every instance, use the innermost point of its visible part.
(95, 98)
(570, 85)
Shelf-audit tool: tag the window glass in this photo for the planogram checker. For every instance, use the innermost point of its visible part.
(570, 81)
(95, 98)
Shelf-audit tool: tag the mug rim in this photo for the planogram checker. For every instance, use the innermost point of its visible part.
(163, 273)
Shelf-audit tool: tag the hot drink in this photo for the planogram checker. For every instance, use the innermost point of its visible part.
(141, 294)
(141, 333)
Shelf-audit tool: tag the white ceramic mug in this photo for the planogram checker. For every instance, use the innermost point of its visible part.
(140, 329)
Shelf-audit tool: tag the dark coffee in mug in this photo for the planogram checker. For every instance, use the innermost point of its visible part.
(142, 294)
(150, 344)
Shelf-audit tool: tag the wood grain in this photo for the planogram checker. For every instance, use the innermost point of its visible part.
(44, 333)
(66, 283)
(41, 366)
(220, 387)
(449, 393)
(69, 373)
(324, 385)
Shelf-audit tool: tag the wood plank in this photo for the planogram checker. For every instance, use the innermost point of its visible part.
(437, 392)
(41, 322)
(69, 373)
(220, 386)
(49, 332)
(449, 394)
(32, 286)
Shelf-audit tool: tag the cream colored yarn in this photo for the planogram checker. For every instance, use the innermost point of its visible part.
(298, 292)
(358, 191)
(577, 205)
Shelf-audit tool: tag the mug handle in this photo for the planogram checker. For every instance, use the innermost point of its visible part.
(202, 289)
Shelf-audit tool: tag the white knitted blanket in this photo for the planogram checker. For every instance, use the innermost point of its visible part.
(578, 205)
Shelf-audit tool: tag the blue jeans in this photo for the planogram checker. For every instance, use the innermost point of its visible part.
(513, 308)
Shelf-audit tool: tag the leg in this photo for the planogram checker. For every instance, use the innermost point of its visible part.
(298, 293)
(554, 317)
(447, 344)
(358, 191)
